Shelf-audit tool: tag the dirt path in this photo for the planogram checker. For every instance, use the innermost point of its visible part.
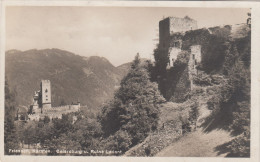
(197, 144)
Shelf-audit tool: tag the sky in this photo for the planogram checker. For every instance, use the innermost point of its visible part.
(116, 33)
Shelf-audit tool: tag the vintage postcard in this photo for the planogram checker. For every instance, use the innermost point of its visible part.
(129, 81)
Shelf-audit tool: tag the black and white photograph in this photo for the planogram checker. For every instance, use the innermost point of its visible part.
(127, 81)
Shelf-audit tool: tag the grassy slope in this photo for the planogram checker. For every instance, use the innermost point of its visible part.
(203, 142)
(198, 144)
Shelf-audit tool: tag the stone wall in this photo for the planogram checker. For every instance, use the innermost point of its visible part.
(172, 26)
(182, 24)
(157, 140)
(196, 53)
(177, 84)
(54, 112)
(173, 53)
(182, 87)
(164, 33)
(214, 44)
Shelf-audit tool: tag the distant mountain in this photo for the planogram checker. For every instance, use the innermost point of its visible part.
(124, 68)
(90, 80)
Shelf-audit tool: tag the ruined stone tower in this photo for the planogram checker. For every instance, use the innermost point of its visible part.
(173, 25)
(171, 31)
(45, 93)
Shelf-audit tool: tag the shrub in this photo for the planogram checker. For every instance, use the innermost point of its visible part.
(120, 141)
(202, 79)
(147, 150)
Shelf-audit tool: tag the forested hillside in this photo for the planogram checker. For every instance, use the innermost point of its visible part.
(73, 78)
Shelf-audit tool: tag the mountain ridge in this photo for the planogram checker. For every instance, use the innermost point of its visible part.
(90, 80)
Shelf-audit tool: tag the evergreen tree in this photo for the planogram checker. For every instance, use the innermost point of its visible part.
(135, 107)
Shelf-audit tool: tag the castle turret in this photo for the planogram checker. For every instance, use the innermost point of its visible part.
(35, 105)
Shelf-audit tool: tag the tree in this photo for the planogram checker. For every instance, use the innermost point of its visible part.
(31, 133)
(240, 146)
(45, 133)
(240, 84)
(120, 141)
(46, 119)
(237, 96)
(62, 125)
(10, 133)
(87, 131)
(135, 107)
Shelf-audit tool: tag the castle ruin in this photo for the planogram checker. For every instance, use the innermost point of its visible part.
(171, 30)
(181, 39)
(171, 40)
(171, 26)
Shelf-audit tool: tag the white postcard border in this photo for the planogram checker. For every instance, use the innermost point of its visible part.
(255, 75)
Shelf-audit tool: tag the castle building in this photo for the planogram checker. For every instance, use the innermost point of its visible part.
(42, 107)
(42, 98)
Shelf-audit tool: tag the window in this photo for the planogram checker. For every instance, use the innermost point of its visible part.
(46, 90)
(46, 95)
